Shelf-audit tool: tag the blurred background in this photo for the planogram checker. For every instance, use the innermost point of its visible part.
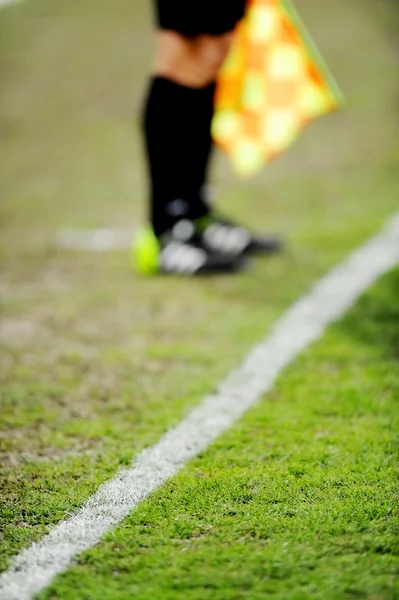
(72, 80)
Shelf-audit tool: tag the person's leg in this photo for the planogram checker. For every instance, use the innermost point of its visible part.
(177, 124)
(193, 62)
(192, 43)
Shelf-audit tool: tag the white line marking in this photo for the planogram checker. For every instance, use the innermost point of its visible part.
(305, 322)
(6, 2)
(95, 240)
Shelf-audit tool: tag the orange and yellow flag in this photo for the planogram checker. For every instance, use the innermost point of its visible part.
(273, 83)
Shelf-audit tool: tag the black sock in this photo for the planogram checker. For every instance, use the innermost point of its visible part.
(177, 125)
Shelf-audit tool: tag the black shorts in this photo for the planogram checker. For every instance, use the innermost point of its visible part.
(196, 17)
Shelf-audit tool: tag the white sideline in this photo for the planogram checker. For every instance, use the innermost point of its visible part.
(95, 240)
(34, 568)
(5, 2)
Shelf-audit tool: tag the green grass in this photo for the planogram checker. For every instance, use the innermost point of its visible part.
(297, 501)
(96, 362)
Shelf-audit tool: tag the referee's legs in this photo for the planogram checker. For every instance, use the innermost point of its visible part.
(192, 62)
(177, 121)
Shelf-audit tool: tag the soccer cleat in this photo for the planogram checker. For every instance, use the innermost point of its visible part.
(180, 251)
(221, 235)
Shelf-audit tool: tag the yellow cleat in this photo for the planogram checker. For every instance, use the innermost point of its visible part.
(145, 252)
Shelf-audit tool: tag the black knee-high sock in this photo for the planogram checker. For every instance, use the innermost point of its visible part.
(177, 133)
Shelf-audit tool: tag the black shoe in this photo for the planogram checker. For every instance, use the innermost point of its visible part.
(180, 251)
(222, 235)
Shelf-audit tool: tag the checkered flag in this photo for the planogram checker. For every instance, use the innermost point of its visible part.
(273, 83)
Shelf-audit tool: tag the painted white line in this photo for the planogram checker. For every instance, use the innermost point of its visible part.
(95, 240)
(6, 2)
(305, 322)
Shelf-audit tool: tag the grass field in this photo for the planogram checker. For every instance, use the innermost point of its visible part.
(298, 500)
